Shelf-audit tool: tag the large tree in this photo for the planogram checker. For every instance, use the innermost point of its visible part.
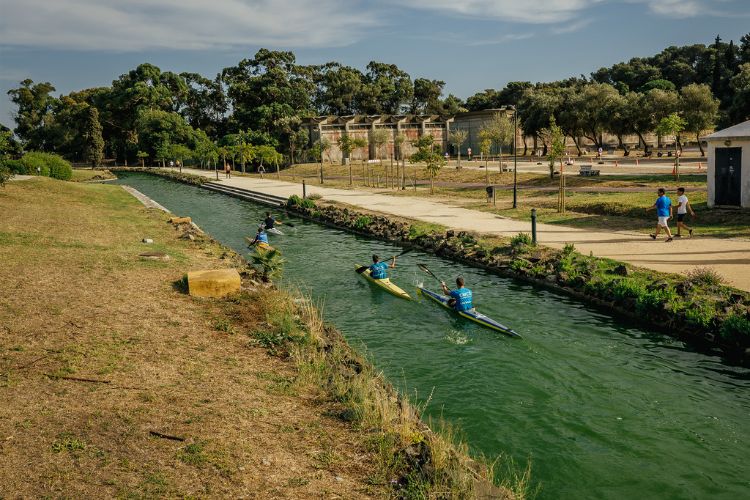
(699, 108)
(92, 138)
(34, 113)
(740, 108)
(156, 127)
(203, 103)
(426, 98)
(338, 89)
(386, 90)
(268, 87)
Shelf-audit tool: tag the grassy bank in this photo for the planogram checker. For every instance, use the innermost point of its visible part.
(119, 385)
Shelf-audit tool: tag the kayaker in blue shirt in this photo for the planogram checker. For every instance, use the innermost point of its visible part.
(461, 297)
(261, 236)
(378, 269)
(663, 206)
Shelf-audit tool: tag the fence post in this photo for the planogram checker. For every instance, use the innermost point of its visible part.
(533, 226)
(304, 189)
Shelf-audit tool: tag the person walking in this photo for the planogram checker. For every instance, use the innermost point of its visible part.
(663, 207)
(683, 207)
(227, 171)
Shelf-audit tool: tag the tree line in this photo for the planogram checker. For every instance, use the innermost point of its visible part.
(687, 89)
(252, 112)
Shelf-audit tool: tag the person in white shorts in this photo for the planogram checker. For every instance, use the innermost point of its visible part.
(683, 207)
(663, 206)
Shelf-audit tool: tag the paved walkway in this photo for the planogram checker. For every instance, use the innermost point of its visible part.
(729, 257)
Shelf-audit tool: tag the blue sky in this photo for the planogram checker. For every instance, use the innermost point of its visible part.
(469, 44)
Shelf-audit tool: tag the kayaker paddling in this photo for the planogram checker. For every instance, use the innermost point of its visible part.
(379, 269)
(260, 237)
(270, 221)
(461, 297)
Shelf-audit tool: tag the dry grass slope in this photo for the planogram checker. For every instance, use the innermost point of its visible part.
(76, 303)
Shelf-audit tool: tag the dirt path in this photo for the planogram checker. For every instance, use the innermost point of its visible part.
(98, 352)
(729, 257)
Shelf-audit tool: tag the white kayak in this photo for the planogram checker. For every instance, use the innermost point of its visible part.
(274, 230)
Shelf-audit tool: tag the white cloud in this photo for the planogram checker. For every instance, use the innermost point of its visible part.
(676, 8)
(509, 37)
(134, 25)
(525, 11)
(561, 11)
(571, 27)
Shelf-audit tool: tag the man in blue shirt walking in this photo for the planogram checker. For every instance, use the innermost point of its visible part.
(663, 207)
(461, 297)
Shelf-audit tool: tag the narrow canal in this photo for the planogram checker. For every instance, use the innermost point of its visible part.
(602, 409)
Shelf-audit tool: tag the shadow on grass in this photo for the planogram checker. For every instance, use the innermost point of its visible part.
(181, 285)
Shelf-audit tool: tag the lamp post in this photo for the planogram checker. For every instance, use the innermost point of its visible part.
(515, 157)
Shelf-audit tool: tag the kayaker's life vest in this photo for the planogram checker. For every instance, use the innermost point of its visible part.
(262, 237)
(463, 298)
(269, 222)
(379, 271)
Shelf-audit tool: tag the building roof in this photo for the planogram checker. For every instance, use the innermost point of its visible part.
(739, 131)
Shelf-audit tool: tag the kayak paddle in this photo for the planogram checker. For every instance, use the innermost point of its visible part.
(362, 269)
(425, 269)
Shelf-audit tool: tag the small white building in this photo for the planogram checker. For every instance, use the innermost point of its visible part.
(729, 166)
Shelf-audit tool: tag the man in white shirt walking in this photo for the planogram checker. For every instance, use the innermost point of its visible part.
(683, 207)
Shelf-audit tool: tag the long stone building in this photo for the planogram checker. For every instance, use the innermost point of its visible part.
(411, 127)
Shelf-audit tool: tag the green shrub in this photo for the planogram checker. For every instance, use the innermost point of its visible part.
(269, 263)
(520, 264)
(700, 314)
(736, 329)
(5, 175)
(520, 240)
(705, 276)
(59, 168)
(15, 166)
(294, 201)
(655, 300)
(48, 165)
(627, 288)
(362, 222)
(35, 164)
(307, 203)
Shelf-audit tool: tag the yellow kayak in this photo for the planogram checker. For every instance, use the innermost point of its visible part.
(261, 245)
(385, 284)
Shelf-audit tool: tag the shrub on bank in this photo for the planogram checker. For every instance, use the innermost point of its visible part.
(5, 175)
(35, 164)
(295, 201)
(47, 164)
(59, 168)
(14, 166)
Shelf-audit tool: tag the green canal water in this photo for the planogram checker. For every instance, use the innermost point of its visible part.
(601, 408)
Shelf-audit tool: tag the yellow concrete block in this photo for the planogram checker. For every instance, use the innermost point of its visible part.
(214, 283)
(180, 220)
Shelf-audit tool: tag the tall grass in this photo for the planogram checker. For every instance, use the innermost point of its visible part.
(416, 460)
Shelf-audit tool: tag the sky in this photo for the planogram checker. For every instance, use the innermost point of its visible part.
(471, 45)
